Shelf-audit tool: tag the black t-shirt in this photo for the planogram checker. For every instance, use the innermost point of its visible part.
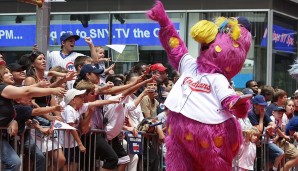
(23, 114)
(7, 112)
(43, 101)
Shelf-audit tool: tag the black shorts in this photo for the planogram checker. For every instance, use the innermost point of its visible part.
(72, 154)
(118, 147)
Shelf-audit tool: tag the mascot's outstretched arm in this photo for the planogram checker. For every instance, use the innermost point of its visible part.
(239, 111)
(168, 35)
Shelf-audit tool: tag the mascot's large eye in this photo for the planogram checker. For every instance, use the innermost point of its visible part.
(227, 30)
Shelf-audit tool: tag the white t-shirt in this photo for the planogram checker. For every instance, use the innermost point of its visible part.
(135, 112)
(70, 115)
(56, 58)
(198, 96)
(278, 123)
(115, 114)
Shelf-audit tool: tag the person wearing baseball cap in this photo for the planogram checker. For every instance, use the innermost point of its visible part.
(68, 35)
(161, 74)
(89, 73)
(158, 67)
(71, 94)
(18, 72)
(257, 115)
(284, 143)
(66, 56)
(88, 68)
(260, 120)
(277, 115)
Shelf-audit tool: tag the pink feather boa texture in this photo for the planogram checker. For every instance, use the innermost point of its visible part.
(183, 154)
(240, 111)
(167, 31)
(203, 152)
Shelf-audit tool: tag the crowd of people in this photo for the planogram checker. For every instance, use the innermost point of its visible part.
(85, 93)
(271, 124)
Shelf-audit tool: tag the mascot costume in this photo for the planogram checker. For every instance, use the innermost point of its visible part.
(202, 130)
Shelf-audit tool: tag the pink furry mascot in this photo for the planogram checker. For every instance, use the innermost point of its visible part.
(202, 133)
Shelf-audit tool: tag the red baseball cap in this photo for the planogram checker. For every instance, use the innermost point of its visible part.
(159, 67)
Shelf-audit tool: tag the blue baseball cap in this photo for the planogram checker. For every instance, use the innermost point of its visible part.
(88, 68)
(68, 35)
(244, 22)
(259, 99)
(292, 125)
(278, 108)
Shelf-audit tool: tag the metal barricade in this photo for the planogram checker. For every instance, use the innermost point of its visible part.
(50, 148)
(262, 162)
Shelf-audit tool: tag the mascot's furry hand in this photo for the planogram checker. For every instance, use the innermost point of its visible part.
(240, 110)
(157, 13)
(168, 36)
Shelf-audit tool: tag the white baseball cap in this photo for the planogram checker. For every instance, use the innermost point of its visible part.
(70, 94)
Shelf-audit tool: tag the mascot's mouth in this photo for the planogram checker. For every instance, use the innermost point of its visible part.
(205, 47)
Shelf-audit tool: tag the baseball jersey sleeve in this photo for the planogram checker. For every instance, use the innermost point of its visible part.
(187, 62)
(222, 87)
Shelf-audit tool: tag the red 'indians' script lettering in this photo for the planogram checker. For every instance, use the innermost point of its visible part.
(196, 86)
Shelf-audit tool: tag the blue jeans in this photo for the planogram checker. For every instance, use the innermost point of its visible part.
(10, 158)
(35, 152)
(274, 151)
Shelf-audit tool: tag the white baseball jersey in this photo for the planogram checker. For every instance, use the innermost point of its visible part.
(56, 58)
(198, 96)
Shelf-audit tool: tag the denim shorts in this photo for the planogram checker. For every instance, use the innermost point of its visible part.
(274, 151)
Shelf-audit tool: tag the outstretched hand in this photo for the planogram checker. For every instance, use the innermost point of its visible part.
(157, 13)
(59, 91)
(241, 110)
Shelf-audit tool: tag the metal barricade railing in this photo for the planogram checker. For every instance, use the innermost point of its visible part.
(262, 162)
(151, 147)
(46, 145)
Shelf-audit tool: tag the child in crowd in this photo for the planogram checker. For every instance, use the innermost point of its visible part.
(247, 153)
(75, 107)
(282, 140)
(24, 112)
(99, 62)
(245, 159)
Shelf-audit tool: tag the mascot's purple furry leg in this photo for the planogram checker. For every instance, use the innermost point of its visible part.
(194, 146)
